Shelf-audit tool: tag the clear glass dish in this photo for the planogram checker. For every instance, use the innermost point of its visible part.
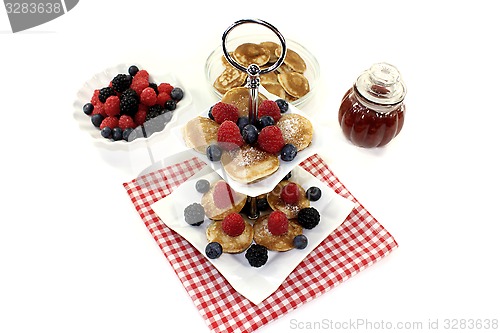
(214, 65)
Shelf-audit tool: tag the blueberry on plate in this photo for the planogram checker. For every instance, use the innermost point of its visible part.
(300, 242)
(265, 121)
(250, 134)
(214, 152)
(242, 122)
(96, 119)
(88, 108)
(177, 94)
(202, 186)
(313, 193)
(117, 134)
(106, 132)
(213, 250)
(288, 152)
(282, 104)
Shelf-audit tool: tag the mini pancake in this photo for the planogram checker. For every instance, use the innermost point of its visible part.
(272, 46)
(199, 133)
(264, 237)
(240, 98)
(250, 53)
(230, 244)
(296, 130)
(295, 84)
(213, 212)
(276, 203)
(270, 77)
(228, 79)
(293, 60)
(249, 164)
(275, 88)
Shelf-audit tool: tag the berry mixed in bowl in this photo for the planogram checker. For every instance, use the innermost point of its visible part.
(126, 104)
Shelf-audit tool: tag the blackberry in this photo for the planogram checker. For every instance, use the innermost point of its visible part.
(129, 105)
(313, 193)
(308, 217)
(131, 93)
(256, 255)
(177, 94)
(262, 204)
(170, 105)
(132, 70)
(105, 92)
(154, 86)
(282, 104)
(213, 250)
(194, 214)
(154, 111)
(202, 186)
(121, 82)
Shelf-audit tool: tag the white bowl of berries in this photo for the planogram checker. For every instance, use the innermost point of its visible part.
(126, 104)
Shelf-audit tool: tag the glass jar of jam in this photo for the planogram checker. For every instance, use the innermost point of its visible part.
(372, 111)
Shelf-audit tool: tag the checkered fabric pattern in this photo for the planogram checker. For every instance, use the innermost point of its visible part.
(358, 243)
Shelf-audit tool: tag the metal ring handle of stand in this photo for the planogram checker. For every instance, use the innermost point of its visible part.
(237, 65)
(253, 72)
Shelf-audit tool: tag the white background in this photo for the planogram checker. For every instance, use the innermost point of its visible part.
(76, 257)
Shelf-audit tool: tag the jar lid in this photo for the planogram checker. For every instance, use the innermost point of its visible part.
(381, 84)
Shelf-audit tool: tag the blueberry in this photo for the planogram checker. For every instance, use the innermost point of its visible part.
(202, 186)
(117, 134)
(213, 250)
(88, 108)
(282, 104)
(250, 134)
(210, 115)
(262, 204)
(106, 132)
(313, 193)
(126, 133)
(96, 119)
(265, 121)
(242, 122)
(177, 94)
(170, 105)
(288, 176)
(132, 70)
(288, 152)
(300, 242)
(214, 153)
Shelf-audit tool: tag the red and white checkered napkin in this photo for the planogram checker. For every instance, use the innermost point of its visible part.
(358, 243)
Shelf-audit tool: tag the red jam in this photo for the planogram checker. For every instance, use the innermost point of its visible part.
(372, 112)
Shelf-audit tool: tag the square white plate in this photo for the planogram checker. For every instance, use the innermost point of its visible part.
(256, 284)
(267, 184)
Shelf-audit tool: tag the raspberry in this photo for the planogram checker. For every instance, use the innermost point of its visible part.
(140, 116)
(148, 97)
(229, 136)
(99, 109)
(112, 106)
(233, 225)
(142, 74)
(223, 195)
(139, 84)
(271, 139)
(126, 122)
(277, 223)
(269, 108)
(110, 122)
(165, 88)
(224, 111)
(162, 98)
(95, 97)
(290, 193)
